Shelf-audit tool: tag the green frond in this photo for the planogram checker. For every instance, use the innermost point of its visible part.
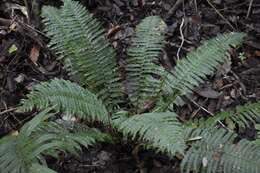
(191, 71)
(16, 151)
(162, 131)
(242, 116)
(79, 40)
(215, 151)
(257, 140)
(71, 138)
(39, 137)
(67, 97)
(141, 70)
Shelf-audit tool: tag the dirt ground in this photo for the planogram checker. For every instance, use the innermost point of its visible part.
(25, 61)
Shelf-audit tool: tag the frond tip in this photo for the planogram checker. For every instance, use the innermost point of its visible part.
(68, 97)
(141, 70)
(162, 131)
(242, 116)
(217, 151)
(191, 71)
(24, 153)
(79, 40)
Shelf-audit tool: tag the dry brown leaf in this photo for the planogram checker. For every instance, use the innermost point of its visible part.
(257, 53)
(112, 31)
(34, 54)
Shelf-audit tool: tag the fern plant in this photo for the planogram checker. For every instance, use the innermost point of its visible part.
(216, 151)
(240, 116)
(191, 71)
(79, 41)
(24, 153)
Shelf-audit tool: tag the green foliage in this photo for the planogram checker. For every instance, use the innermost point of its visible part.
(147, 44)
(257, 141)
(79, 40)
(242, 116)
(191, 71)
(68, 97)
(38, 137)
(162, 130)
(216, 151)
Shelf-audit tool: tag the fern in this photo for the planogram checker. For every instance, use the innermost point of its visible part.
(217, 152)
(19, 153)
(68, 98)
(146, 45)
(194, 69)
(161, 130)
(257, 140)
(242, 116)
(79, 40)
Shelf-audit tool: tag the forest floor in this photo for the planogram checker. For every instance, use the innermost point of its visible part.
(25, 61)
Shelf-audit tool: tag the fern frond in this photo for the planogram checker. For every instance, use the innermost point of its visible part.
(242, 116)
(215, 151)
(257, 140)
(16, 151)
(68, 97)
(162, 131)
(191, 71)
(146, 46)
(79, 39)
(39, 137)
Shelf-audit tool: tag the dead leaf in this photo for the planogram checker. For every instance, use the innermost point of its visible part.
(208, 93)
(34, 54)
(219, 83)
(12, 27)
(257, 53)
(113, 31)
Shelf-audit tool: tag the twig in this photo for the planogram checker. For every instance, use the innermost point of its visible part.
(28, 10)
(182, 40)
(174, 7)
(196, 111)
(7, 111)
(34, 29)
(249, 9)
(220, 14)
(5, 22)
(210, 113)
(196, 6)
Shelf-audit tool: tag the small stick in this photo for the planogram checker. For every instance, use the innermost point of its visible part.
(220, 14)
(28, 10)
(249, 9)
(210, 113)
(6, 22)
(196, 6)
(174, 7)
(182, 40)
(7, 111)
